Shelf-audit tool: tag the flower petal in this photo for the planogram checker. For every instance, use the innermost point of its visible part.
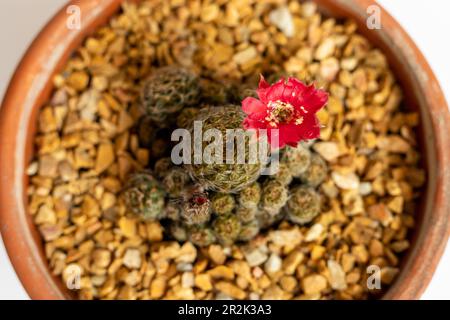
(250, 123)
(289, 134)
(309, 128)
(297, 84)
(275, 92)
(314, 99)
(307, 100)
(251, 105)
(263, 84)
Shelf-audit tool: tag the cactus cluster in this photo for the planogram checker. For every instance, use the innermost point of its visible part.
(303, 205)
(168, 90)
(196, 209)
(215, 203)
(144, 196)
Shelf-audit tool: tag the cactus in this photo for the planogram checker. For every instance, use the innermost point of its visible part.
(316, 172)
(202, 236)
(144, 196)
(242, 91)
(225, 177)
(249, 231)
(186, 116)
(284, 175)
(168, 90)
(303, 205)
(297, 159)
(250, 196)
(175, 181)
(274, 196)
(223, 203)
(172, 211)
(196, 209)
(246, 215)
(266, 219)
(178, 231)
(162, 167)
(217, 93)
(227, 228)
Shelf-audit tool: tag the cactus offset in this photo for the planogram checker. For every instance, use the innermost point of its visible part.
(202, 236)
(246, 215)
(144, 196)
(316, 172)
(175, 181)
(274, 196)
(178, 231)
(249, 230)
(196, 209)
(227, 228)
(223, 203)
(303, 205)
(217, 93)
(168, 90)
(284, 175)
(297, 159)
(162, 167)
(186, 116)
(250, 196)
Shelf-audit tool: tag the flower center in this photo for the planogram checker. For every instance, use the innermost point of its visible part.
(281, 112)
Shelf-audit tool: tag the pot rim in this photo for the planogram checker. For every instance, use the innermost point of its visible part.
(49, 51)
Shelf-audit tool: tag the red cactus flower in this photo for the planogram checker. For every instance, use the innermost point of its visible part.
(289, 106)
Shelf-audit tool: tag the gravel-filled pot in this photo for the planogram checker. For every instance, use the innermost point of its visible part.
(30, 116)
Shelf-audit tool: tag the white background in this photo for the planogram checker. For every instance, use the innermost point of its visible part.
(425, 20)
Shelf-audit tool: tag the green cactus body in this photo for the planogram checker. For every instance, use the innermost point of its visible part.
(223, 203)
(202, 236)
(284, 175)
(227, 228)
(175, 181)
(197, 209)
(297, 159)
(225, 177)
(250, 196)
(216, 93)
(266, 219)
(162, 167)
(249, 231)
(303, 205)
(246, 215)
(316, 172)
(168, 90)
(172, 211)
(144, 196)
(274, 196)
(186, 116)
(239, 92)
(178, 231)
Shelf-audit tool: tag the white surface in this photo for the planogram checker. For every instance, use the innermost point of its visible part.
(426, 21)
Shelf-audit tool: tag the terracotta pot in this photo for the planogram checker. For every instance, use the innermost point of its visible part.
(31, 87)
